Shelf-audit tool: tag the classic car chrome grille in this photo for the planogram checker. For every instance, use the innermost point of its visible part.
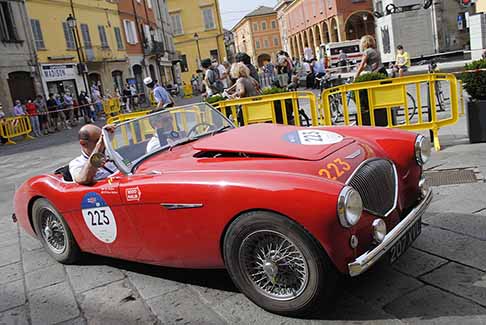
(376, 182)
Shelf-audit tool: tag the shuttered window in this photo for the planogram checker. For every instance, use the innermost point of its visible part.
(119, 41)
(130, 31)
(86, 36)
(37, 32)
(68, 36)
(177, 24)
(208, 18)
(103, 39)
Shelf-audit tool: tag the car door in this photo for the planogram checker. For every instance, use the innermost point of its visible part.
(104, 221)
(170, 216)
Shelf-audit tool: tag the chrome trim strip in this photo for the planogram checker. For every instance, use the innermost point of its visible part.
(176, 206)
(396, 185)
(365, 261)
(354, 154)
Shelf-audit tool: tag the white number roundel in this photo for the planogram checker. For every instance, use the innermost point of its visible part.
(98, 217)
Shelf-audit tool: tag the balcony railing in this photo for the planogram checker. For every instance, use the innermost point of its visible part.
(98, 54)
(154, 48)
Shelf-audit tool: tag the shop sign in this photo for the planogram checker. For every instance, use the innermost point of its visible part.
(59, 71)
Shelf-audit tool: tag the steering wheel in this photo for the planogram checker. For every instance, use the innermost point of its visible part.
(194, 128)
(427, 4)
(391, 9)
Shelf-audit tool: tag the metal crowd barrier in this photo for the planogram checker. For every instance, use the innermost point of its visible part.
(411, 103)
(12, 127)
(282, 108)
(125, 117)
(111, 106)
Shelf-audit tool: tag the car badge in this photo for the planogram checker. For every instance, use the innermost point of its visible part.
(354, 154)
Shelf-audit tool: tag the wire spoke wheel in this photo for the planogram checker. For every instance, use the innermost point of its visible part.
(53, 231)
(274, 265)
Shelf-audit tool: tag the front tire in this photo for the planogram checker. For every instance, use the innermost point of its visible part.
(54, 233)
(278, 265)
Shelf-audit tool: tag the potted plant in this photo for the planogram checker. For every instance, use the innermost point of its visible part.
(381, 114)
(474, 79)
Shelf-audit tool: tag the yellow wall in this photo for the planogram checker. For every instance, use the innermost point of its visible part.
(51, 14)
(193, 22)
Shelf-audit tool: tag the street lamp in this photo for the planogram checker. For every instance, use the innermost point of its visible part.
(196, 38)
(71, 22)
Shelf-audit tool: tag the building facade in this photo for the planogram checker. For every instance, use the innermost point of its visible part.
(229, 43)
(168, 59)
(310, 23)
(198, 33)
(258, 35)
(94, 41)
(19, 73)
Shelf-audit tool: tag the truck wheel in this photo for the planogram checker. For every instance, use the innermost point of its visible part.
(278, 265)
(54, 232)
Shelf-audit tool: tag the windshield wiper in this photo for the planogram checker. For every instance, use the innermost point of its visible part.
(175, 144)
(221, 129)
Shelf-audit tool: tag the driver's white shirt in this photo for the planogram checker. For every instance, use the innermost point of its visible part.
(76, 166)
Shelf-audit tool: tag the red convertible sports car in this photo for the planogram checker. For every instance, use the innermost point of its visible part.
(284, 209)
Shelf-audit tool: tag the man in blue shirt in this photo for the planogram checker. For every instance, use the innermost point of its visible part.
(161, 95)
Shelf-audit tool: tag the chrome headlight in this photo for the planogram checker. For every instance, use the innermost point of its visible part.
(349, 207)
(422, 150)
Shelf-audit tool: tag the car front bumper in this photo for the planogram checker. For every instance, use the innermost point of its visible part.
(365, 261)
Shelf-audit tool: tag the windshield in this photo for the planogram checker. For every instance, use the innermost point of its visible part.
(136, 139)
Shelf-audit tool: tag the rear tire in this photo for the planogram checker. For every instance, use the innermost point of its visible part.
(278, 265)
(54, 233)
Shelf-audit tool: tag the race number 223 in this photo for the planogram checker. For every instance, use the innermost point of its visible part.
(335, 169)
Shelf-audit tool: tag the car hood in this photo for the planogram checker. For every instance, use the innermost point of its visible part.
(278, 141)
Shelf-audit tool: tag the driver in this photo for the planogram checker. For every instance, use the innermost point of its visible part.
(91, 166)
(165, 133)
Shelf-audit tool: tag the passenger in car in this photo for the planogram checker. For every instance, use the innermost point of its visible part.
(91, 166)
(165, 133)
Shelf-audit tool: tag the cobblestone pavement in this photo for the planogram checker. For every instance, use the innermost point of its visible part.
(441, 279)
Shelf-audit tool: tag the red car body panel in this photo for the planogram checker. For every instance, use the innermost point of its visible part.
(275, 175)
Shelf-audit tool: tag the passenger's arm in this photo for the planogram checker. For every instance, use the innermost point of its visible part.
(362, 65)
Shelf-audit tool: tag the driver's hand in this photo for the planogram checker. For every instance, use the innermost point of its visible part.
(100, 145)
(110, 128)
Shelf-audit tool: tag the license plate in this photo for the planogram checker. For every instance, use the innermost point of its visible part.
(406, 241)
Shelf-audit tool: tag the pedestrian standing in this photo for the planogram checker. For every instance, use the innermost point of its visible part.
(42, 113)
(69, 108)
(52, 110)
(162, 97)
(96, 99)
(127, 94)
(18, 109)
(31, 110)
(2, 125)
(60, 108)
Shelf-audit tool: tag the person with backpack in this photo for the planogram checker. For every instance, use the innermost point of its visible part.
(211, 78)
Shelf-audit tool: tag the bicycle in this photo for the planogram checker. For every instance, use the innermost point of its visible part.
(432, 67)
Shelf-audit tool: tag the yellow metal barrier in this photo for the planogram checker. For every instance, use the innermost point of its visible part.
(111, 106)
(12, 127)
(187, 91)
(125, 117)
(276, 108)
(153, 103)
(461, 97)
(409, 103)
